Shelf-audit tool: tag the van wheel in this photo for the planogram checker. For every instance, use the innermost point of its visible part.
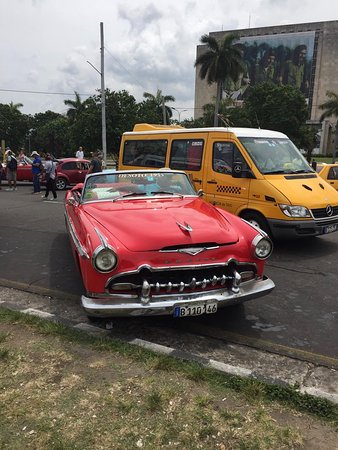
(257, 220)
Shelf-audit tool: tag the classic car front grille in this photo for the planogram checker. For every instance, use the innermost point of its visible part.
(174, 281)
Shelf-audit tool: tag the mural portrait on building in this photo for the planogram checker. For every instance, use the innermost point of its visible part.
(281, 59)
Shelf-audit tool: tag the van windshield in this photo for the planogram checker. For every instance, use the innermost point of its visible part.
(275, 155)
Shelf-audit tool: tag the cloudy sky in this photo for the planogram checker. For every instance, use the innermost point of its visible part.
(149, 45)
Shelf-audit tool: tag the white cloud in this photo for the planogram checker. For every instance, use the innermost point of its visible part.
(45, 44)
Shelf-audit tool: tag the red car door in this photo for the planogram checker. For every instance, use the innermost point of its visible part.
(24, 172)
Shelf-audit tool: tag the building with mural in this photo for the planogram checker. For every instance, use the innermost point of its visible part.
(303, 55)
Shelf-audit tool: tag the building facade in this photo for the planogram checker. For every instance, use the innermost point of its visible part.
(303, 55)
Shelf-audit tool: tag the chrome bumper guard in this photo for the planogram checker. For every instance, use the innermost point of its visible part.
(104, 305)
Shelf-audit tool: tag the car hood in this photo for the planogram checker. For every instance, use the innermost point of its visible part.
(143, 225)
(302, 190)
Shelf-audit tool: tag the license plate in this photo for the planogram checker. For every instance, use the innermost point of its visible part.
(330, 228)
(195, 309)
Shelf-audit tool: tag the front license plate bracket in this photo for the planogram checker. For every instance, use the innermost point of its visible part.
(195, 309)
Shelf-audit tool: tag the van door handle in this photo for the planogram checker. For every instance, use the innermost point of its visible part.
(196, 180)
(212, 182)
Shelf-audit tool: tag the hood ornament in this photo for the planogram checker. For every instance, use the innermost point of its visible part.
(185, 226)
(192, 250)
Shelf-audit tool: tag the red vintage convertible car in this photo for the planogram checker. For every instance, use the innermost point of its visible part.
(146, 243)
(70, 171)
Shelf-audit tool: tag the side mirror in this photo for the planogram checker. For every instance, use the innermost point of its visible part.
(200, 192)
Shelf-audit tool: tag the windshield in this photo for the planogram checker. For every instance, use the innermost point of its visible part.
(116, 186)
(275, 155)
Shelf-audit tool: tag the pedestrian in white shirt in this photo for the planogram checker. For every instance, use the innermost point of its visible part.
(79, 154)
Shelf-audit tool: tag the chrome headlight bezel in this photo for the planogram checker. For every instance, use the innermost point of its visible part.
(99, 251)
(295, 211)
(261, 247)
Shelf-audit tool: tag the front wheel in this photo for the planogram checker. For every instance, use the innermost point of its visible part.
(60, 184)
(257, 220)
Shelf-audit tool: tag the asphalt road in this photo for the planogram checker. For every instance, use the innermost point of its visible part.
(299, 318)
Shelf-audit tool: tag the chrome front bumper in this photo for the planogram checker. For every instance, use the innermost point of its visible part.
(114, 305)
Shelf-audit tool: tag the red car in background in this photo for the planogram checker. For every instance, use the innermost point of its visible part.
(70, 171)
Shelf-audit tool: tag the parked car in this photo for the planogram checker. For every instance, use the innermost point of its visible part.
(147, 244)
(24, 170)
(329, 172)
(70, 171)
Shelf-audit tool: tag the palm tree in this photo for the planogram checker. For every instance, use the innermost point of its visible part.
(75, 106)
(331, 109)
(160, 101)
(220, 61)
(15, 106)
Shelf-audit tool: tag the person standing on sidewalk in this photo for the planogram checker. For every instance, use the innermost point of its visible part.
(50, 174)
(11, 166)
(36, 170)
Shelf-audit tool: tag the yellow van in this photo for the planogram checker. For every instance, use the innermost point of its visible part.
(256, 174)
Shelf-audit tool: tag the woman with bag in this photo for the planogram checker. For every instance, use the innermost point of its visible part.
(50, 176)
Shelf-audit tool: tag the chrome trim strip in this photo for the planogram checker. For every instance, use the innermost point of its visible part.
(102, 238)
(82, 252)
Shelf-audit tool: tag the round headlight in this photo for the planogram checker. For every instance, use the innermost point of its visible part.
(262, 247)
(104, 259)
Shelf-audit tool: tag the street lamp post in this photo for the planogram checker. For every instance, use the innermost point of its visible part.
(179, 113)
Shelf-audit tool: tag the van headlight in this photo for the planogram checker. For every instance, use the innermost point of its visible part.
(104, 259)
(295, 211)
(261, 247)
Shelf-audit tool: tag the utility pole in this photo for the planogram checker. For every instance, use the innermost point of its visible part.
(103, 98)
(164, 112)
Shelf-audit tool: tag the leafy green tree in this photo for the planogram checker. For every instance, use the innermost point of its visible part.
(280, 108)
(155, 102)
(13, 126)
(220, 61)
(52, 137)
(37, 134)
(86, 130)
(330, 108)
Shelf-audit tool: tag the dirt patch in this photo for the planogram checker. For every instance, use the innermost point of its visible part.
(58, 394)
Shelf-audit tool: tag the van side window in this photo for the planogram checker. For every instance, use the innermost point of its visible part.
(224, 154)
(186, 154)
(333, 173)
(222, 157)
(145, 153)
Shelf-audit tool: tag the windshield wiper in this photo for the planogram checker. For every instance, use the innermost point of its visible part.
(130, 194)
(302, 171)
(167, 192)
(275, 172)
